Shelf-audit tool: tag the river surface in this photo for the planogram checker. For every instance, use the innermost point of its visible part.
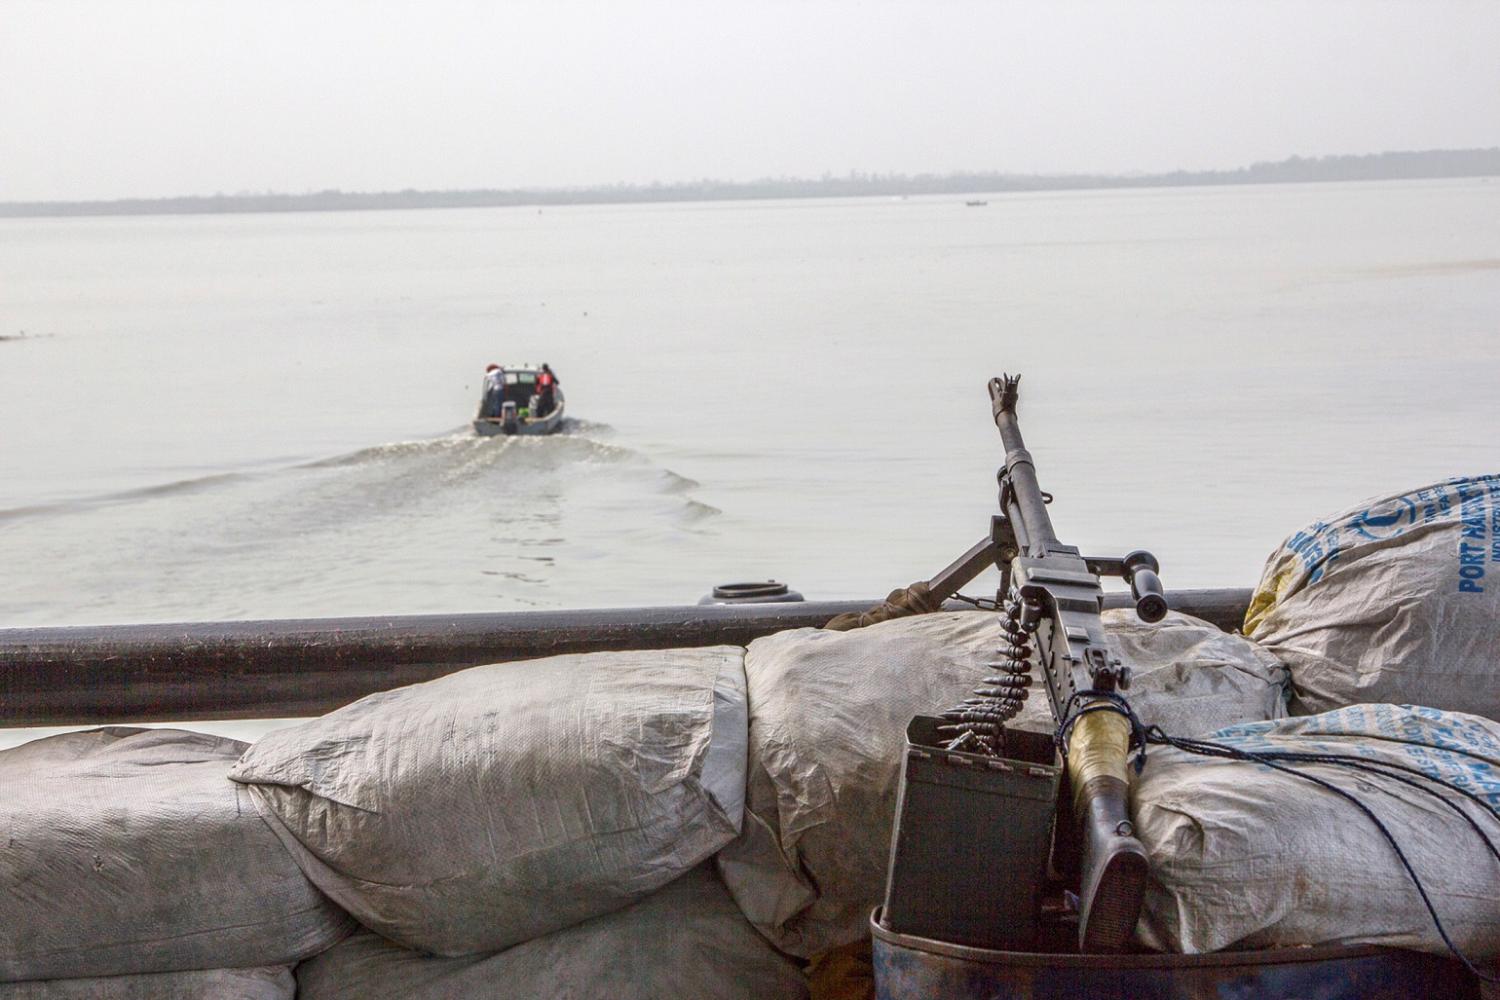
(266, 416)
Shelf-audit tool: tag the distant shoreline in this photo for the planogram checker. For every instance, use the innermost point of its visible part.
(1423, 165)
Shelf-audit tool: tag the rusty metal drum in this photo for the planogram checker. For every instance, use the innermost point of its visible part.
(909, 968)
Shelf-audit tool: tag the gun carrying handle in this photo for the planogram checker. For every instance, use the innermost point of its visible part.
(1140, 569)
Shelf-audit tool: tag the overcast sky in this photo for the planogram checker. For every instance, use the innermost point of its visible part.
(141, 99)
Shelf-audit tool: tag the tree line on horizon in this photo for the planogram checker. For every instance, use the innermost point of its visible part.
(1374, 166)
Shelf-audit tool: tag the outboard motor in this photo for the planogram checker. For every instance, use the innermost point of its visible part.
(511, 419)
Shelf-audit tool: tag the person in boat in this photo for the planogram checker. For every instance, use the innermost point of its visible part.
(546, 391)
(494, 391)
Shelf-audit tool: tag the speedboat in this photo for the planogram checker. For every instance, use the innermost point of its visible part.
(519, 412)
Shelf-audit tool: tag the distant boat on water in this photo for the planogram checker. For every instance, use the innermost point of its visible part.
(520, 408)
(976, 204)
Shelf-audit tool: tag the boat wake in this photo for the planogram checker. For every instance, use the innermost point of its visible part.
(462, 457)
(451, 522)
(141, 494)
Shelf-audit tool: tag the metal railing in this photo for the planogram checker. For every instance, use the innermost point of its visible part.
(271, 669)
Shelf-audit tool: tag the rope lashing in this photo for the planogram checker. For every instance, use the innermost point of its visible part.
(913, 600)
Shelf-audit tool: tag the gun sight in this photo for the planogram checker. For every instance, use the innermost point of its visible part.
(1003, 394)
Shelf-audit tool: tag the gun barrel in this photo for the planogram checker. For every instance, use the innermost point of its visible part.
(1025, 503)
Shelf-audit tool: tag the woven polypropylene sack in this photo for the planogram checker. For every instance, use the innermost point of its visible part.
(1187, 676)
(686, 940)
(128, 850)
(1394, 600)
(209, 984)
(502, 802)
(828, 721)
(1246, 856)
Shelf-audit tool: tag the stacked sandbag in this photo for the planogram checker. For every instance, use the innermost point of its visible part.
(686, 940)
(500, 803)
(1187, 676)
(1393, 600)
(1245, 856)
(828, 721)
(128, 851)
(209, 984)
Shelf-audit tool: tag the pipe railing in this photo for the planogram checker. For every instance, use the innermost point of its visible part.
(277, 669)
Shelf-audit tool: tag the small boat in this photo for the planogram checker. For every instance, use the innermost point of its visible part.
(519, 410)
(976, 204)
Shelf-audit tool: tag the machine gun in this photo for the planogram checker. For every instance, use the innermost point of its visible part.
(1050, 599)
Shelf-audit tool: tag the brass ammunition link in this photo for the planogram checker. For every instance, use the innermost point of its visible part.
(978, 723)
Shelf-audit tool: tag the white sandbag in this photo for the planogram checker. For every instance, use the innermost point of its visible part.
(274, 983)
(129, 851)
(1187, 676)
(686, 941)
(828, 721)
(499, 803)
(1394, 600)
(1246, 856)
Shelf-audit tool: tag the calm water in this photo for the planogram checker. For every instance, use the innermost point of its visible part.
(266, 416)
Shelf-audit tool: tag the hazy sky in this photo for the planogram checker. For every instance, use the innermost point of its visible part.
(149, 98)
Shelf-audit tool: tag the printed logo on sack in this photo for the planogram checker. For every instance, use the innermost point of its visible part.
(1387, 520)
(1317, 547)
(1470, 504)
